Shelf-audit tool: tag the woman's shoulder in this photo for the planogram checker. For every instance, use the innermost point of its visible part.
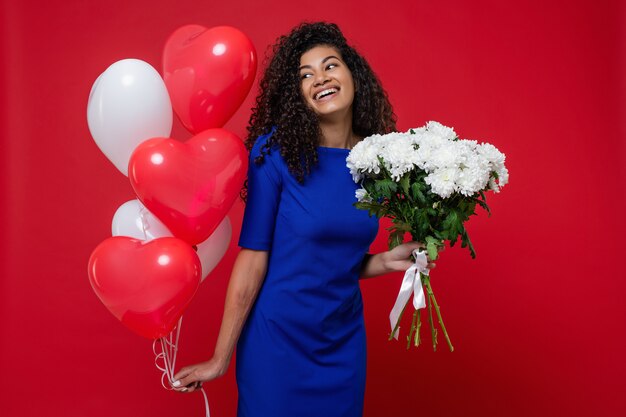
(270, 153)
(261, 142)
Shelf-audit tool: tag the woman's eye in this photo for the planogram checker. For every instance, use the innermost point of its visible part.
(331, 66)
(305, 75)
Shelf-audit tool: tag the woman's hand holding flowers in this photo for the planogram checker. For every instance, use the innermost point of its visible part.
(399, 258)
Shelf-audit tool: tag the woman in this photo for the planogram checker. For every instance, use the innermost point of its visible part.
(293, 304)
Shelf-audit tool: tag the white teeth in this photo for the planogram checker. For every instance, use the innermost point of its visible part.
(325, 92)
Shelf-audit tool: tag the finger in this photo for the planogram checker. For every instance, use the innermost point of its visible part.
(408, 248)
(182, 373)
(184, 382)
(180, 389)
(415, 244)
(403, 266)
(194, 386)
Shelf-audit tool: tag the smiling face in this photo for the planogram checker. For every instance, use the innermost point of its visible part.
(326, 82)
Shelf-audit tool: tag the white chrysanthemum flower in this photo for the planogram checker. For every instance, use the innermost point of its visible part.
(474, 175)
(427, 142)
(442, 181)
(398, 155)
(440, 130)
(423, 158)
(503, 179)
(491, 154)
(493, 185)
(449, 155)
(429, 139)
(363, 158)
(503, 176)
(468, 145)
(496, 160)
(362, 195)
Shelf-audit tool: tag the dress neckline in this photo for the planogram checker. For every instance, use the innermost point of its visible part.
(327, 148)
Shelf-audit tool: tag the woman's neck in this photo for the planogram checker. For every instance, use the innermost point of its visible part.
(337, 135)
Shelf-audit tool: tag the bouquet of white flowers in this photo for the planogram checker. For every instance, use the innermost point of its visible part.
(428, 181)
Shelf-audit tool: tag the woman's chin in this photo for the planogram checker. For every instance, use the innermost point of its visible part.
(334, 114)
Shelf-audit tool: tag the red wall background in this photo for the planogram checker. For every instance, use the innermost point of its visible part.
(537, 319)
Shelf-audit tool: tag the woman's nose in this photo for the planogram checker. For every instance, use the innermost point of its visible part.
(321, 79)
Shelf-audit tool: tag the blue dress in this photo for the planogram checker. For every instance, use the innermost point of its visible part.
(302, 350)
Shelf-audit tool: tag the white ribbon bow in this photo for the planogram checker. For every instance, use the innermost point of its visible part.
(411, 284)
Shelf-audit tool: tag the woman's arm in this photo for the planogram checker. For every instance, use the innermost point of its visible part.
(397, 259)
(245, 281)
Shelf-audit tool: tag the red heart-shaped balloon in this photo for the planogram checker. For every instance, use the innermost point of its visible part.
(190, 186)
(208, 73)
(146, 285)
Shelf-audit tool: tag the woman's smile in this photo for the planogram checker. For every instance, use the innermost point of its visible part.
(326, 94)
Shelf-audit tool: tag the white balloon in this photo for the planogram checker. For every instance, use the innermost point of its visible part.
(212, 250)
(128, 104)
(133, 219)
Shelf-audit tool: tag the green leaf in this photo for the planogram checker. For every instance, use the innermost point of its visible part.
(484, 206)
(422, 222)
(385, 187)
(432, 247)
(438, 235)
(400, 225)
(374, 209)
(452, 224)
(396, 233)
(467, 242)
(450, 221)
(417, 194)
(405, 184)
(396, 237)
(483, 202)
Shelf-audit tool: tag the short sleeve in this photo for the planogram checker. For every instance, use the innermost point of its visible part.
(264, 188)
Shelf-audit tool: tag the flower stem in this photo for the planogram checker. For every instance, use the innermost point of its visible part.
(413, 327)
(433, 302)
(417, 329)
(433, 331)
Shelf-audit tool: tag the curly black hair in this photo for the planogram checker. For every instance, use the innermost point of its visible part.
(280, 102)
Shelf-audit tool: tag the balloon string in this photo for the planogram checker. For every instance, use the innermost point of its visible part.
(168, 353)
(206, 403)
(175, 345)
